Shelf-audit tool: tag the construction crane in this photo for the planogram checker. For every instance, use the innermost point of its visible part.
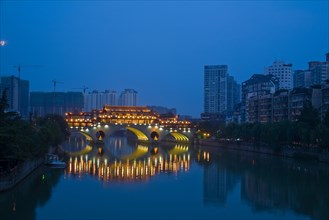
(55, 83)
(18, 67)
(19, 81)
(84, 88)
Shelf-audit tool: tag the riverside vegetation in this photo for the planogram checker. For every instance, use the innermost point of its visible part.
(308, 131)
(22, 140)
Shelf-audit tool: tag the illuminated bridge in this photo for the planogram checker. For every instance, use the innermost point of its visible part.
(145, 124)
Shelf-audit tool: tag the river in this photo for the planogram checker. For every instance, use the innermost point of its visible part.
(127, 180)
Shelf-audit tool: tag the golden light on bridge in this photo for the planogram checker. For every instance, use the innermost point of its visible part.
(134, 115)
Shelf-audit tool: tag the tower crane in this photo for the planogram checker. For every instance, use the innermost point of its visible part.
(19, 83)
(55, 83)
(18, 67)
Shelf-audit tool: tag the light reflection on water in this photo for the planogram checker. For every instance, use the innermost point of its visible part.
(128, 170)
(118, 158)
(190, 182)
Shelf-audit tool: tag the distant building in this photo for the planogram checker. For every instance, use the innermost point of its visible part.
(260, 108)
(221, 92)
(316, 74)
(297, 99)
(325, 99)
(281, 105)
(252, 89)
(17, 93)
(215, 85)
(319, 71)
(42, 103)
(283, 72)
(128, 98)
(302, 78)
(233, 93)
(96, 99)
(265, 108)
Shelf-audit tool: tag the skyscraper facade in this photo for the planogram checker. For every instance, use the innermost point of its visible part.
(233, 93)
(17, 94)
(97, 100)
(128, 97)
(302, 78)
(283, 72)
(319, 71)
(42, 103)
(215, 88)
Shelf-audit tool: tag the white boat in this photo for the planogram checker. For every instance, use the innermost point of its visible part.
(53, 161)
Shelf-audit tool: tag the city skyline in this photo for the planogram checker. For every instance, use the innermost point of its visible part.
(117, 45)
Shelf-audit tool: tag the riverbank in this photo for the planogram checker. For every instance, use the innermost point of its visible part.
(311, 153)
(18, 173)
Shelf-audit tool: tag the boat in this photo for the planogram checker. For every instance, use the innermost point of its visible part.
(53, 161)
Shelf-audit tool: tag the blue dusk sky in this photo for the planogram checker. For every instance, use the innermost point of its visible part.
(158, 48)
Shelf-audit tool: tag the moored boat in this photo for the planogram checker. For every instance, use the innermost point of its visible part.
(53, 161)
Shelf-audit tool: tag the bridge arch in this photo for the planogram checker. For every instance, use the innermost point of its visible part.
(154, 135)
(100, 134)
(178, 137)
(140, 135)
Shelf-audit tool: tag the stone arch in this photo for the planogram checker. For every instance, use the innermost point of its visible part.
(179, 137)
(139, 134)
(154, 135)
(100, 135)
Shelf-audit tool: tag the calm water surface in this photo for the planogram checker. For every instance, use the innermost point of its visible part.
(124, 180)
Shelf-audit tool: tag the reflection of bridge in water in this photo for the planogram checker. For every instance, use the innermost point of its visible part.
(119, 148)
(122, 158)
(127, 170)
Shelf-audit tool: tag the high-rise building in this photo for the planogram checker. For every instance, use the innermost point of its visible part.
(17, 93)
(96, 99)
(302, 78)
(109, 97)
(221, 93)
(233, 93)
(215, 88)
(42, 103)
(283, 72)
(319, 71)
(128, 97)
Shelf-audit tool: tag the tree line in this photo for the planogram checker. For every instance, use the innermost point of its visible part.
(308, 130)
(27, 139)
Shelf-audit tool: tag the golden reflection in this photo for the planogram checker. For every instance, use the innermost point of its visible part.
(128, 170)
(204, 156)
